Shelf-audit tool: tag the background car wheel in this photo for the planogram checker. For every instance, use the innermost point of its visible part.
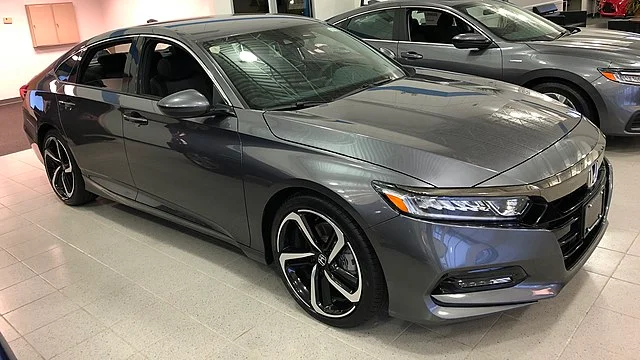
(569, 96)
(326, 262)
(62, 171)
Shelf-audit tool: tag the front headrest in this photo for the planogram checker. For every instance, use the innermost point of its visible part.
(113, 62)
(445, 20)
(178, 66)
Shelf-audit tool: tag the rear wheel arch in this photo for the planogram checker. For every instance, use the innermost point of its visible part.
(42, 132)
(537, 77)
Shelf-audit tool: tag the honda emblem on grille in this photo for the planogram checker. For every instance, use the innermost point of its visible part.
(593, 175)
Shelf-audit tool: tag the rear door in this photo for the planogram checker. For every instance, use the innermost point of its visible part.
(379, 28)
(89, 102)
(427, 42)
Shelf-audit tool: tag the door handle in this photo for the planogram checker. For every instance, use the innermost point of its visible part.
(67, 104)
(411, 55)
(388, 53)
(135, 118)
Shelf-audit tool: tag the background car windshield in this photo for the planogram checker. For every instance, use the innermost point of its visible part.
(303, 63)
(510, 22)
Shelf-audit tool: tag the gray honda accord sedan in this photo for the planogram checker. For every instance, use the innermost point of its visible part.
(370, 187)
(594, 71)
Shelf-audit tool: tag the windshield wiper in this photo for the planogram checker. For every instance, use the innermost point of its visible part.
(367, 85)
(562, 34)
(296, 105)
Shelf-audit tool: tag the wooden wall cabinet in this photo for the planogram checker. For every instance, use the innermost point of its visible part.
(52, 24)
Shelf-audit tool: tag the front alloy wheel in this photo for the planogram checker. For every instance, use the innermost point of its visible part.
(327, 265)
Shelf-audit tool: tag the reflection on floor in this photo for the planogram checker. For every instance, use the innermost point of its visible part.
(104, 281)
(12, 137)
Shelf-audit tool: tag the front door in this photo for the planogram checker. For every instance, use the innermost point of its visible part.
(188, 168)
(428, 43)
(89, 103)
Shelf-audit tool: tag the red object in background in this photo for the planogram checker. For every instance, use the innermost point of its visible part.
(23, 91)
(613, 8)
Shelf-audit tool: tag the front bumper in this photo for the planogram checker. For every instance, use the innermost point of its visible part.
(416, 255)
(621, 116)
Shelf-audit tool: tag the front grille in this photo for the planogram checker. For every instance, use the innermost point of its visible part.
(565, 217)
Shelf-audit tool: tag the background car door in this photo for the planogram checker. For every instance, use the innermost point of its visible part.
(190, 169)
(378, 28)
(427, 42)
(89, 107)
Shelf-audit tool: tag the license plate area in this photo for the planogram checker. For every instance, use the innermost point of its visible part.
(593, 211)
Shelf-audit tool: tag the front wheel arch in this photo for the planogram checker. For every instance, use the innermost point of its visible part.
(537, 77)
(298, 187)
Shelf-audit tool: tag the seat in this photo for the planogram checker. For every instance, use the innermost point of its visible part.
(416, 32)
(178, 72)
(445, 31)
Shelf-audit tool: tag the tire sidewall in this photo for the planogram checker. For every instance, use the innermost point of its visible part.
(574, 96)
(80, 195)
(360, 245)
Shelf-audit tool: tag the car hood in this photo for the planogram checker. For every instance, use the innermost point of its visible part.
(449, 130)
(607, 45)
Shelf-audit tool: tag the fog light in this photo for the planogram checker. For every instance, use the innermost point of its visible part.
(480, 280)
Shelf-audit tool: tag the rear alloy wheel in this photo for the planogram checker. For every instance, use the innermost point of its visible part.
(62, 171)
(326, 264)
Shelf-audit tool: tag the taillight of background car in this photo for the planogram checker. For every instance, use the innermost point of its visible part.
(23, 91)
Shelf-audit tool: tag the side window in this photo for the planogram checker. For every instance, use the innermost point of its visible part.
(434, 26)
(106, 66)
(68, 70)
(168, 68)
(376, 25)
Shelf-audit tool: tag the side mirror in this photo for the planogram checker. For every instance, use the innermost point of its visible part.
(471, 41)
(185, 104)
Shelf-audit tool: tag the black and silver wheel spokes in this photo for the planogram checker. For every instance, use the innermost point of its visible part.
(561, 98)
(319, 264)
(59, 168)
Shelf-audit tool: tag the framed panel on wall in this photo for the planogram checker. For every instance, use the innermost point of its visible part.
(296, 7)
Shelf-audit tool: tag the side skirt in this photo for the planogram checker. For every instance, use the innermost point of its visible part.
(95, 188)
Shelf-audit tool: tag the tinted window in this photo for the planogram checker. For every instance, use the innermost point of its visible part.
(106, 67)
(67, 70)
(311, 62)
(434, 26)
(512, 23)
(250, 6)
(167, 68)
(376, 25)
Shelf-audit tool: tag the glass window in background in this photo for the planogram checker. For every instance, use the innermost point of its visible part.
(297, 7)
(250, 6)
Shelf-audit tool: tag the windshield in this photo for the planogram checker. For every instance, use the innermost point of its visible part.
(510, 22)
(310, 63)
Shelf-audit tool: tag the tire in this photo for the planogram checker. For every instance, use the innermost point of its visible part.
(63, 172)
(350, 264)
(570, 96)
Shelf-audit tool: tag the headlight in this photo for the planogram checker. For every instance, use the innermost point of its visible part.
(433, 206)
(630, 77)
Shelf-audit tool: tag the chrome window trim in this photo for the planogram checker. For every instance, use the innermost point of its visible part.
(163, 37)
(457, 16)
(367, 12)
(551, 188)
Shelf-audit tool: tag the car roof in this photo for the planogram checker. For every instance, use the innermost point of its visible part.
(211, 27)
(403, 3)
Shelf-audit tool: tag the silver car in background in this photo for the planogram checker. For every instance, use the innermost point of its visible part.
(595, 71)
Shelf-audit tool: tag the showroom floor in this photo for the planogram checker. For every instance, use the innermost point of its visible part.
(104, 281)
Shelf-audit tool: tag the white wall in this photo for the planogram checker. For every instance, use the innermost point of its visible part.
(20, 61)
(124, 13)
(324, 9)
